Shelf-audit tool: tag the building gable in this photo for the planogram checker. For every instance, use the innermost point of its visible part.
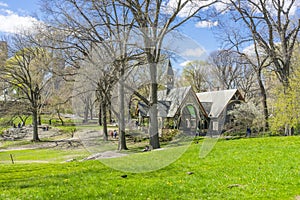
(171, 102)
(216, 101)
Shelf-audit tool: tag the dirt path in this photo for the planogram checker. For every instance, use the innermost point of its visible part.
(89, 140)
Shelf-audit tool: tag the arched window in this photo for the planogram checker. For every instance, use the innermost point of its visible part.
(189, 116)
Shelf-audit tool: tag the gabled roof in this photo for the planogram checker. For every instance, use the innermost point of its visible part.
(206, 106)
(170, 71)
(169, 102)
(214, 102)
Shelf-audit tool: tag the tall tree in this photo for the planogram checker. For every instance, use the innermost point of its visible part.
(254, 57)
(226, 68)
(197, 74)
(286, 111)
(119, 25)
(274, 26)
(29, 72)
(91, 26)
(155, 19)
(86, 26)
(263, 32)
(286, 107)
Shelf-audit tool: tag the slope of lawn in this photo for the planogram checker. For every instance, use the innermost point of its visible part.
(256, 168)
(40, 156)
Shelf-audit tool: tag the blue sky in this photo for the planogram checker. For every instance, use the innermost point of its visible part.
(16, 14)
(21, 7)
(21, 13)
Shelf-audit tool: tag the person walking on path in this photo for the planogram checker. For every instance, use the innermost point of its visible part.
(115, 133)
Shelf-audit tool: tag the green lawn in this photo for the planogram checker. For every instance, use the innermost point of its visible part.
(41, 155)
(256, 168)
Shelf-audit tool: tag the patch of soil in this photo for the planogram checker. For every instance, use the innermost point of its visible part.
(50, 138)
(106, 154)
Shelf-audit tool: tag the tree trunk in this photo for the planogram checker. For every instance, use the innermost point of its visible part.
(121, 121)
(153, 124)
(104, 121)
(39, 119)
(60, 119)
(91, 112)
(100, 116)
(287, 130)
(109, 112)
(86, 112)
(35, 125)
(263, 100)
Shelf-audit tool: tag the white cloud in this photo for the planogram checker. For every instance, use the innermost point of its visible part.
(250, 52)
(2, 4)
(206, 24)
(183, 64)
(191, 7)
(197, 52)
(14, 23)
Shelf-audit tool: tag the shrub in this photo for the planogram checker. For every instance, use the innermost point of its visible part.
(168, 134)
(136, 136)
(247, 115)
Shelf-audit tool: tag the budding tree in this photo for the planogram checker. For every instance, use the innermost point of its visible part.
(29, 71)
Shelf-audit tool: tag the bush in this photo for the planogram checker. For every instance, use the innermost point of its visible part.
(168, 134)
(136, 136)
(235, 133)
(247, 114)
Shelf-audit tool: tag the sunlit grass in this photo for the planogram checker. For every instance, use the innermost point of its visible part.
(8, 143)
(255, 168)
(146, 161)
(41, 155)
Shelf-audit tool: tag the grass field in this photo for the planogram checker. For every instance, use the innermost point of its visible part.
(255, 168)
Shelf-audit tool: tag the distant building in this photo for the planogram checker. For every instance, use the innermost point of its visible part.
(183, 109)
(177, 107)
